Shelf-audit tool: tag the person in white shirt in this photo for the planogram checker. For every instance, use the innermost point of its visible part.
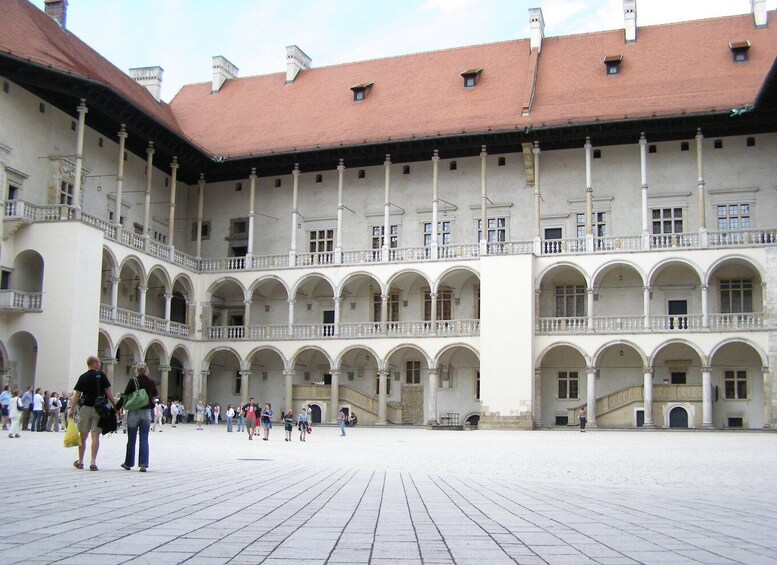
(174, 412)
(15, 411)
(52, 422)
(159, 410)
(37, 411)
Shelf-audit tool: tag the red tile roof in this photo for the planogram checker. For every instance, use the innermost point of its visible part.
(670, 70)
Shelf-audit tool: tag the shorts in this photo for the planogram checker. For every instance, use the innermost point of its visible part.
(3, 410)
(250, 423)
(88, 420)
(266, 424)
(288, 427)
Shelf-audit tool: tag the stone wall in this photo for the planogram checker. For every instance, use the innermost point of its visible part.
(412, 404)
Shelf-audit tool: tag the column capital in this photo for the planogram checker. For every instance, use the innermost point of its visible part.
(164, 368)
(705, 287)
(436, 155)
(536, 149)
(706, 369)
(142, 288)
(247, 301)
(81, 108)
(589, 190)
(168, 296)
(588, 143)
(174, 164)
(115, 280)
(387, 162)
(187, 372)
(338, 299)
(289, 372)
(108, 360)
(590, 370)
(383, 372)
(295, 171)
(648, 370)
(434, 371)
(253, 173)
(123, 132)
(765, 369)
(341, 165)
(336, 372)
(150, 149)
(483, 151)
(642, 138)
(291, 301)
(699, 134)
(201, 180)
(191, 303)
(244, 373)
(205, 372)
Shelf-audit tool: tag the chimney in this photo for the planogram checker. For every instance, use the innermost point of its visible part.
(536, 28)
(151, 78)
(57, 11)
(759, 12)
(223, 70)
(630, 17)
(296, 61)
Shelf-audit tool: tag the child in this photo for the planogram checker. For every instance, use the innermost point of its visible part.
(288, 423)
(15, 410)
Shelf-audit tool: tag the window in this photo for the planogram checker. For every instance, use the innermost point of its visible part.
(568, 384)
(100, 144)
(5, 280)
(497, 230)
(13, 191)
(599, 225)
(718, 144)
(321, 241)
(471, 77)
(238, 228)
(612, 64)
(477, 385)
(6, 87)
(735, 384)
(667, 221)
(388, 384)
(42, 108)
(238, 186)
(413, 373)
(406, 169)
(444, 302)
(570, 301)
(443, 233)
(378, 233)
(66, 195)
(360, 91)
(684, 146)
(736, 296)
(739, 51)
(205, 230)
(238, 378)
(501, 161)
(361, 174)
(393, 306)
(652, 149)
(277, 183)
(597, 153)
(452, 165)
(750, 142)
(733, 217)
(319, 178)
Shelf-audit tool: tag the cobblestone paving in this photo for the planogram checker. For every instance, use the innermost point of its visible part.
(395, 496)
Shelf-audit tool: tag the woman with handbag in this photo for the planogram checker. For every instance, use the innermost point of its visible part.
(137, 402)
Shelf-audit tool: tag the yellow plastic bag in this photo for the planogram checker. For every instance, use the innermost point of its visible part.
(72, 437)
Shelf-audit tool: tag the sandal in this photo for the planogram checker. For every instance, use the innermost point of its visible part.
(93, 467)
(126, 467)
(78, 465)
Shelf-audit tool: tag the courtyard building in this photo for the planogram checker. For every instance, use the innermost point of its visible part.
(493, 236)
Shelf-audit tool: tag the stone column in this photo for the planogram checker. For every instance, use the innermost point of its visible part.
(168, 303)
(289, 387)
(147, 195)
(108, 364)
(643, 153)
(120, 176)
(335, 396)
(382, 396)
(247, 313)
(483, 201)
(700, 184)
(171, 214)
(245, 383)
(384, 298)
(80, 128)
(648, 397)
(705, 307)
(338, 303)
(387, 209)
(164, 382)
(589, 197)
(187, 394)
(142, 290)
(191, 316)
(537, 200)
(646, 306)
(204, 374)
(590, 321)
(340, 206)
(200, 204)
(433, 316)
(768, 398)
(591, 396)
(294, 216)
(435, 203)
(537, 404)
(251, 214)
(290, 330)
(114, 295)
(431, 407)
(706, 398)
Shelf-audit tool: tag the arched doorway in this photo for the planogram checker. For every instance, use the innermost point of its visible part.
(315, 413)
(678, 417)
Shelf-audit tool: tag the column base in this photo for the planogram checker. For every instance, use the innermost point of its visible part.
(381, 423)
(650, 426)
(708, 427)
(495, 421)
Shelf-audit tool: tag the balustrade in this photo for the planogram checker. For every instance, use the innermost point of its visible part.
(21, 301)
(742, 321)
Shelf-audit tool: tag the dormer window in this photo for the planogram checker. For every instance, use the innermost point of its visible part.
(612, 64)
(360, 91)
(471, 77)
(739, 50)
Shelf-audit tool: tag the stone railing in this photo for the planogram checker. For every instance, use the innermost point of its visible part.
(131, 319)
(616, 324)
(562, 325)
(743, 321)
(636, 324)
(458, 327)
(20, 301)
(635, 393)
(683, 323)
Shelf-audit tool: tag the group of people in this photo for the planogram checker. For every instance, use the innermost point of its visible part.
(35, 410)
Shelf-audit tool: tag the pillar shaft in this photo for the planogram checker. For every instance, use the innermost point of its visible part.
(80, 128)
(648, 397)
(382, 397)
(435, 203)
(147, 194)
(120, 175)
(294, 216)
(335, 397)
(483, 201)
(387, 209)
(251, 212)
(200, 204)
(339, 231)
(591, 396)
(700, 181)
(706, 396)
(171, 215)
(431, 407)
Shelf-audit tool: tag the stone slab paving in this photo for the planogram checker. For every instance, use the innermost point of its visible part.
(395, 496)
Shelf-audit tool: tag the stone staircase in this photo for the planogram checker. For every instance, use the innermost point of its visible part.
(365, 405)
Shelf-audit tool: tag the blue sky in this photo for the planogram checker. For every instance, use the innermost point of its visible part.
(182, 36)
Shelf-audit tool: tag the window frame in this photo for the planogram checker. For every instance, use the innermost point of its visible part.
(412, 372)
(735, 386)
(569, 380)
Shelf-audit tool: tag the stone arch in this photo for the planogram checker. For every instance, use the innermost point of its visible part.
(305, 280)
(596, 357)
(216, 284)
(294, 358)
(104, 339)
(164, 358)
(720, 261)
(454, 269)
(571, 345)
(763, 355)
(354, 275)
(28, 268)
(703, 358)
(668, 262)
(164, 276)
(22, 352)
(561, 265)
(408, 272)
(603, 269)
(265, 278)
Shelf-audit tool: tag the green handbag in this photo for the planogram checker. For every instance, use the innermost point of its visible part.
(136, 400)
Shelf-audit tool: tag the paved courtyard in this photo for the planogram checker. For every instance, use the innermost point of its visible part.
(395, 496)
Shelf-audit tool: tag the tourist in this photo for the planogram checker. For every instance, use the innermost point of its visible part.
(64, 400)
(583, 417)
(159, 410)
(303, 423)
(266, 421)
(208, 414)
(200, 414)
(37, 410)
(216, 412)
(230, 416)
(342, 418)
(288, 423)
(52, 422)
(5, 404)
(240, 418)
(90, 385)
(139, 419)
(15, 411)
(353, 420)
(27, 402)
(249, 410)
